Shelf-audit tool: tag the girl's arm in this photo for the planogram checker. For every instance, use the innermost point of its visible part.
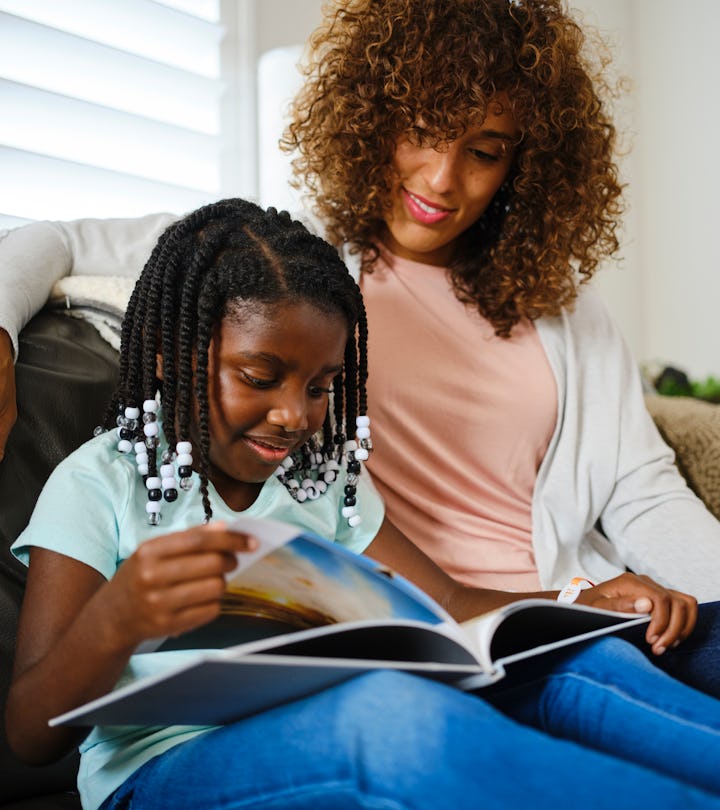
(673, 614)
(78, 630)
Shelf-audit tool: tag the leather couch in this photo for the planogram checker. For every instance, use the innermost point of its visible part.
(65, 375)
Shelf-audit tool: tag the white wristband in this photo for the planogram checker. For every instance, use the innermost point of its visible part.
(572, 590)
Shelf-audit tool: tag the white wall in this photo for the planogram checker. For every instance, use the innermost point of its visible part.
(678, 161)
(664, 291)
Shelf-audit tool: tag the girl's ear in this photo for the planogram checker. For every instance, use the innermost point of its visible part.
(159, 366)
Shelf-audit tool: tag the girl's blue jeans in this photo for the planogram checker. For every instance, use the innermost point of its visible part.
(597, 725)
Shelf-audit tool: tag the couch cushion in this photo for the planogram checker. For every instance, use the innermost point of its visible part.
(692, 428)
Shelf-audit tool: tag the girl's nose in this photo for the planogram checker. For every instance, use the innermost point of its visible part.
(289, 413)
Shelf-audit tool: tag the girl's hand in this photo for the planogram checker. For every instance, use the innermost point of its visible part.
(174, 583)
(673, 614)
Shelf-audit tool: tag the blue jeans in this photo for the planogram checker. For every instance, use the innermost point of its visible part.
(633, 738)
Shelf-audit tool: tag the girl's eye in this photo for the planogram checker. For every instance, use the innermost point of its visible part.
(319, 391)
(257, 382)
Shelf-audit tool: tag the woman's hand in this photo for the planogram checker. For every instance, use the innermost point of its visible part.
(8, 402)
(673, 614)
(174, 583)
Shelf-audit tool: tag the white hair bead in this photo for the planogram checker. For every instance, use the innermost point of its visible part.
(363, 421)
(167, 470)
(140, 447)
(361, 454)
(348, 511)
(169, 482)
(353, 520)
(153, 483)
(143, 469)
(152, 506)
(301, 495)
(350, 445)
(150, 406)
(363, 433)
(151, 429)
(184, 460)
(132, 413)
(183, 447)
(124, 446)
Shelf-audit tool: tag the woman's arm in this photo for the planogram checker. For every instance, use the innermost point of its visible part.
(77, 630)
(8, 405)
(673, 614)
(34, 257)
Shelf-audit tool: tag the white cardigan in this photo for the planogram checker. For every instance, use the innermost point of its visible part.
(608, 495)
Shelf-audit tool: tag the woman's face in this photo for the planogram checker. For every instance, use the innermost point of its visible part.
(439, 192)
(270, 369)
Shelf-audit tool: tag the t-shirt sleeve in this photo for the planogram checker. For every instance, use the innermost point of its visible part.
(79, 509)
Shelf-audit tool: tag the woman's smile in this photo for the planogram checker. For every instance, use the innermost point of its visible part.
(423, 210)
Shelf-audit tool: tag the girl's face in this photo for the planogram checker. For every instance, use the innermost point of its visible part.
(270, 369)
(440, 192)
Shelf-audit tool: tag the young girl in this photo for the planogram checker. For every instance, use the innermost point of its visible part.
(238, 329)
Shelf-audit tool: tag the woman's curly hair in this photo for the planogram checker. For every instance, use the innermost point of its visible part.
(378, 66)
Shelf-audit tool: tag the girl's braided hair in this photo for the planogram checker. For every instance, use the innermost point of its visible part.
(223, 253)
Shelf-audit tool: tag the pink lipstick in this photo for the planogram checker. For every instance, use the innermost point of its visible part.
(423, 210)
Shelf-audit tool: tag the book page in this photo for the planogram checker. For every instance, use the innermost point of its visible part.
(300, 582)
(532, 626)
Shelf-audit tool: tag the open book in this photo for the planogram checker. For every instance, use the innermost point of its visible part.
(301, 614)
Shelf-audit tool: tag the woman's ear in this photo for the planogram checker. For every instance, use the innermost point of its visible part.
(159, 366)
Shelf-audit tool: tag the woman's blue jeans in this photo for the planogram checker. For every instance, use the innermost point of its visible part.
(631, 737)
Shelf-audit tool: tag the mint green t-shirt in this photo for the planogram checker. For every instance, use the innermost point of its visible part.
(93, 509)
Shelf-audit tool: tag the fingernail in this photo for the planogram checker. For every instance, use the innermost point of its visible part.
(659, 650)
(653, 639)
(675, 643)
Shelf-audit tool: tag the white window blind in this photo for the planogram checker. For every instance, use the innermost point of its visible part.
(112, 107)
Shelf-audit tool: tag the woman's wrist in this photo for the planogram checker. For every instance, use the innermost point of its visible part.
(572, 590)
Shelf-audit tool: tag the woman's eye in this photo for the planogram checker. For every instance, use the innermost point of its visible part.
(319, 391)
(486, 157)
